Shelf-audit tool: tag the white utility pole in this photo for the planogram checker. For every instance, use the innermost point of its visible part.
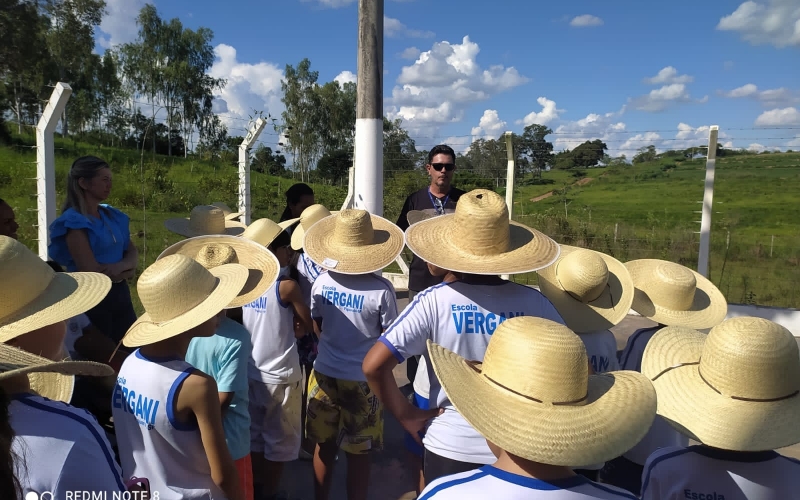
(245, 201)
(708, 200)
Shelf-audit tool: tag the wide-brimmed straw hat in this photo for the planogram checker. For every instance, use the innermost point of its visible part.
(204, 220)
(34, 296)
(216, 250)
(591, 290)
(537, 371)
(479, 239)
(414, 216)
(310, 216)
(227, 211)
(179, 294)
(674, 295)
(49, 379)
(353, 242)
(735, 388)
(264, 231)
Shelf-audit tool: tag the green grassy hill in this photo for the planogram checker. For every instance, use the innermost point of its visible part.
(641, 211)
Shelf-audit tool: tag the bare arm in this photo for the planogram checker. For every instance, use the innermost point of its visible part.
(225, 400)
(92, 345)
(81, 252)
(198, 395)
(131, 257)
(291, 294)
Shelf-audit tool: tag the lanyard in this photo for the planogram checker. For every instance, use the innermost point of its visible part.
(444, 203)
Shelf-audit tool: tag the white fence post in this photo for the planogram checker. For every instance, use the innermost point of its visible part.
(708, 199)
(245, 202)
(510, 179)
(46, 164)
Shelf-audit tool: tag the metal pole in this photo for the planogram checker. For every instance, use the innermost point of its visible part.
(46, 164)
(369, 109)
(708, 200)
(245, 201)
(509, 179)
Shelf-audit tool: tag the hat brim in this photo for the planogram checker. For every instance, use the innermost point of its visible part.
(182, 227)
(415, 216)
(696, 410)
(708, 309)
(299, 234)
(433, 240)
(618, 412)
(233, 215)
(67, 295)
(230, 280)
(260, 262)
(321, 248)
(604, 312)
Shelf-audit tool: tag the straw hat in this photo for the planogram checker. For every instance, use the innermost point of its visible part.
(178, 294)
(736, 388)
(227, 211)
(308, 218)
(479, 239)
(49, 379)
(34, 296)
(536, 370)
(353, 242)
(216, 250)
(591, 290)
(264, 231)
(674, 295)
(204, 220)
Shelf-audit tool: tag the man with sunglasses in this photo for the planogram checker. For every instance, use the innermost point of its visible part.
(440, 196)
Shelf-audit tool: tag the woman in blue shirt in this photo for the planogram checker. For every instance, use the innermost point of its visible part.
(91, 236)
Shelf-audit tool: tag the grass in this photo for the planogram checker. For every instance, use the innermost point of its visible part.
(640, 211)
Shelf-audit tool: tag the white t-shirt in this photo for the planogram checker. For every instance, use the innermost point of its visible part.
(462, 318)
(661, 434)
(61, 449)
(491, 482)
(355, 310)
(307, 273)
(701, 473)
(422, 383)
(75, 327)
(274, 359)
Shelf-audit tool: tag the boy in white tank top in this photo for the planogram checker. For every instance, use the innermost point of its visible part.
(275, 320)
(166, 412)
(351, 306)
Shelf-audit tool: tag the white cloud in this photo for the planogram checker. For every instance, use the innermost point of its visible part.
(779, 117)
(548, 114)
(605, 127)
(250, 86)
(333, 4)
(661, 98)
(119, 23)
(776, 22)
(490, 126)
(689, 136)
(771, 97)
(668, 75)
(756, 147)
(442, 82)
(346, 77)
(585, 21)
(393, 28)
(411, 53)
(794, 143)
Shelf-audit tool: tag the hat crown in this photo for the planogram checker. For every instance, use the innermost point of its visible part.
(262, 231)
(539, 360)
(751, 358)
(677, 287)
(207, 219)
(312, 215)
(353, 228)
(25, 276)
(212, 255)
(481, 223)
(174, 285)
(583, 274)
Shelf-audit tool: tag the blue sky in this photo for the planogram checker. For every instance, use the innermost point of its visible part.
(630, 73)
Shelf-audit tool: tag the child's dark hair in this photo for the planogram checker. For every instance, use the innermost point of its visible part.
(10, 486)
(293, 195)
(55, 266)
(283, 239)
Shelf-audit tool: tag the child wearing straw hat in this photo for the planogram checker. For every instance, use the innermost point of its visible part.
(225, 355)
(56, 445)
(668, 294)
(593, 292)
(166, 412)
(735, 390)
(204, 220)
(540, 410)
(351, 307)
(274, 376)
(479, 241)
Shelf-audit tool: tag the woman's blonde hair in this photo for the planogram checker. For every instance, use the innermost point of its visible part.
(85, 167)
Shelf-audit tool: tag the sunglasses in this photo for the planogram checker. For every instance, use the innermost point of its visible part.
(447, 166)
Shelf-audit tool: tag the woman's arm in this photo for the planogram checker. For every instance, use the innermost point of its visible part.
(291, 294)
(81, 252)
(130, 259)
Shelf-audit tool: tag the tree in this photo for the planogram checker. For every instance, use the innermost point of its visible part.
(267, 162)
(645, 154)
(302, 115)
(337, 125)
(488, 158)
(534, 148)
(589, 153)
(335, 165)
(399, 149)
